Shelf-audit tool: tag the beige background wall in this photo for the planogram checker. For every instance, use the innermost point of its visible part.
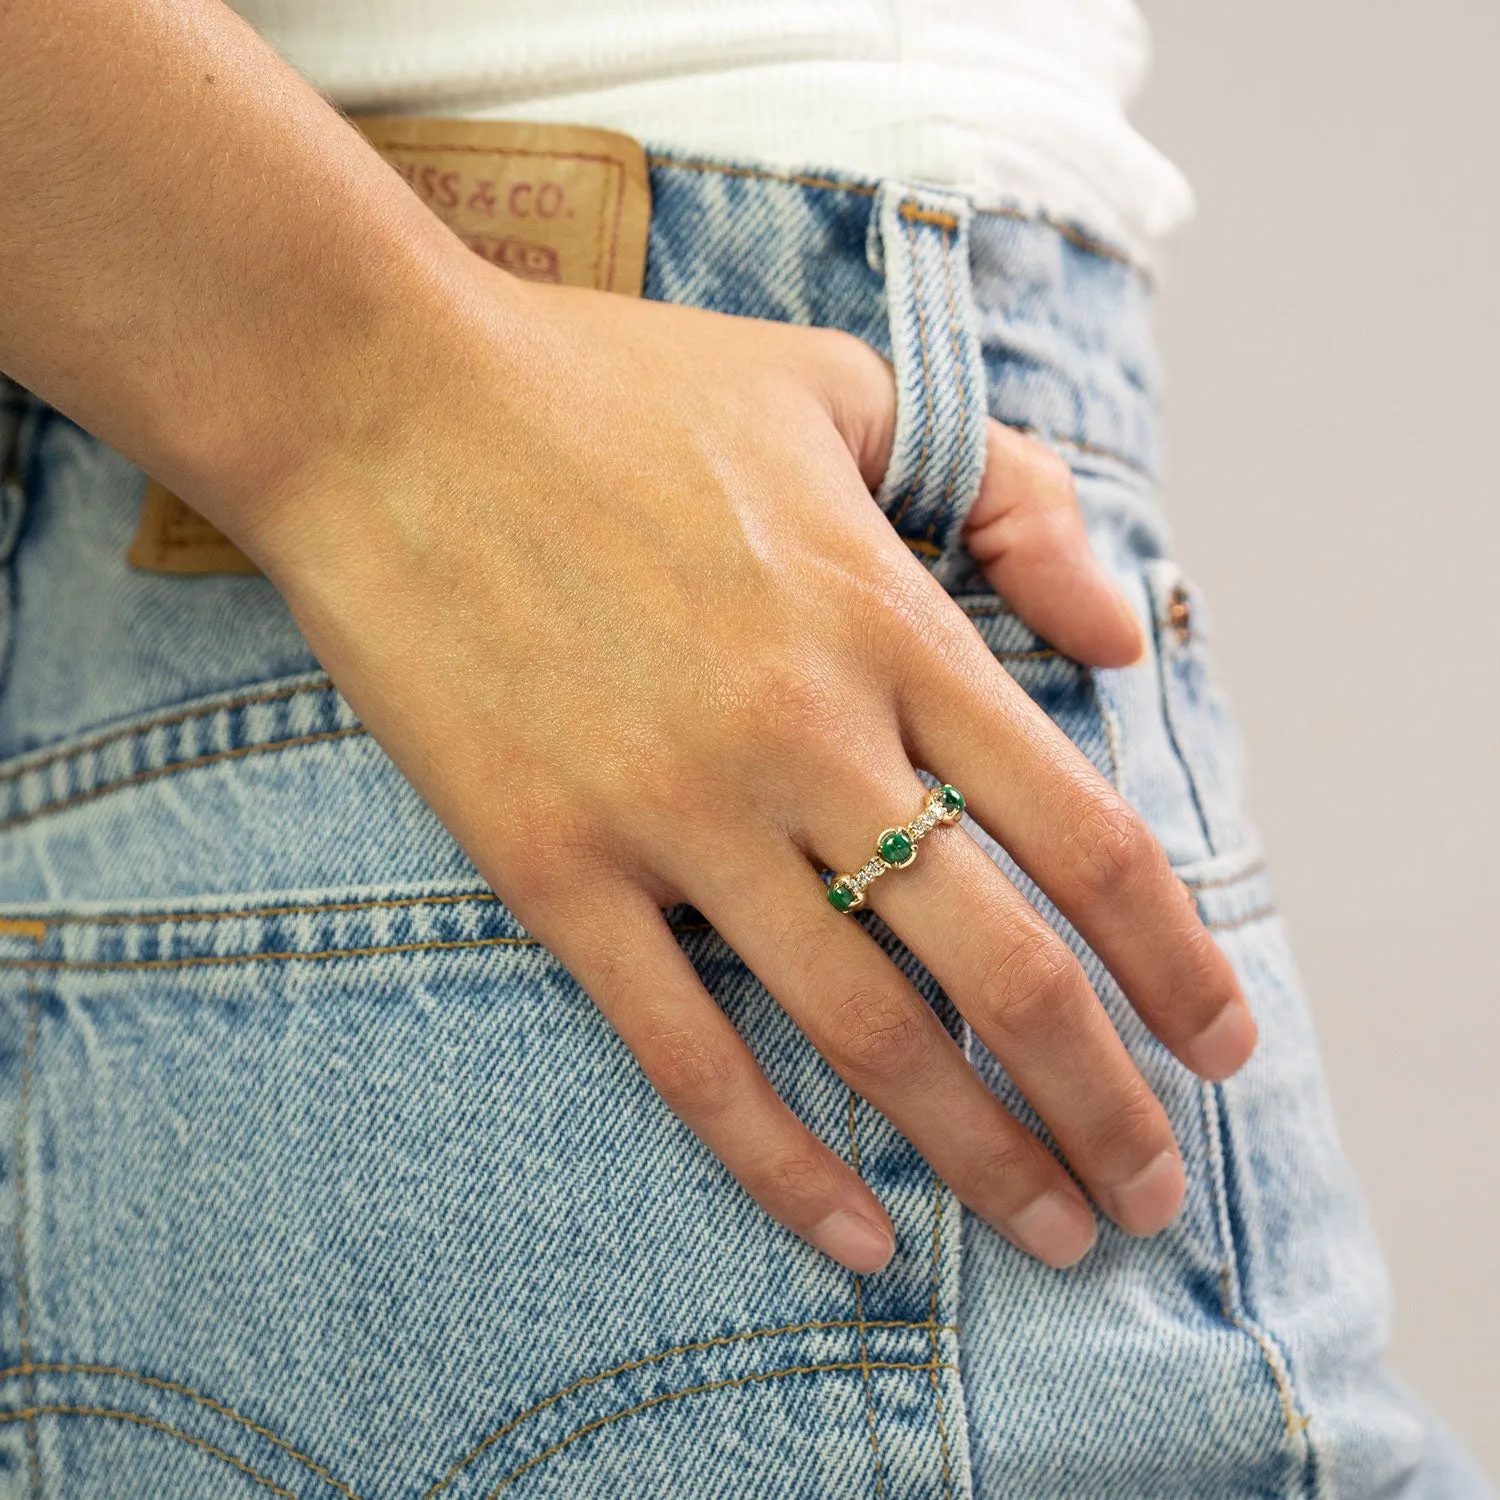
(1331, 334)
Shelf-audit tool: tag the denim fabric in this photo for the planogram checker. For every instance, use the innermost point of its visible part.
(323, 1178)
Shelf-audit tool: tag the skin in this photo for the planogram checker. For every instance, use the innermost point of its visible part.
(624, 673)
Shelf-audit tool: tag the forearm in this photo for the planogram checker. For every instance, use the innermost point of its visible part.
(201, 261)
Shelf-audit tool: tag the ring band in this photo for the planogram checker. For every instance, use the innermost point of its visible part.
(896, 847)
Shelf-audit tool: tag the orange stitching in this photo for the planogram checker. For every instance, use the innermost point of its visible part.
(937, 1392)
(1001, 211)
(203, 960)
(1073, 236)
(920, 215)
(697, 1390)
(916, 288)
(175, 1388)
(200, 960)
(12, 773)
(727, 171)
(859, 1312)
(193, 764)
(1222, 880)
(650, 1359)
(156, 918)
(30, 1412)
(981, 611)
(1296, 1421)
(33, 1014)
(963, 387)
(922, 545)
(602, 157)
(1259, 915)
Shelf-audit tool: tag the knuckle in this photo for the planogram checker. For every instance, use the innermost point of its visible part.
(568, 863)
(789, 1178)
(1005, 1171)
(1133, 1119)
(1112, 849)
(694, 1076)
(1028, 984)
(878, 1035)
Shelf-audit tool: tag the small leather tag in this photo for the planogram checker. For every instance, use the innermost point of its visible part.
(559, 203)
(173, 538)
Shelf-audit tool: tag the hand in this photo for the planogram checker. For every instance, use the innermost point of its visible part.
(606, 580)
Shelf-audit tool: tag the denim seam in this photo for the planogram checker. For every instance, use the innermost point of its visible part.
(193, 763)
(954, 334)
(1211, 1116)
(698, 1390)
(31, 1412)
(371, 950)
(915, 483)
(629, 1365)
(1073, 235)
(932, 1305)
(23, 1314)
(1111, 723)
(176, 1388)
(240, 752)
(859, 1313)
(1096, 450)
(1169, 723)
(165, 721)
(1229, 924)
(1220, 881)
(295, 909)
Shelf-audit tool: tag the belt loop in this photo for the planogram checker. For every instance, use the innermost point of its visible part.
(937, 458)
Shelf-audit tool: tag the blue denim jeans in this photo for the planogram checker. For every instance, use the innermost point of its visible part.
(323, 1178)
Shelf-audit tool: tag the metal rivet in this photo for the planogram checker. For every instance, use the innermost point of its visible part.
(1180, 613)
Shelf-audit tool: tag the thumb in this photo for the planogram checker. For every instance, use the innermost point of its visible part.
(1026, 532)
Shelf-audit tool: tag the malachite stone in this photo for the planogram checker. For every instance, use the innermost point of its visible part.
(952, 798)
(841, 895)
(895, 847)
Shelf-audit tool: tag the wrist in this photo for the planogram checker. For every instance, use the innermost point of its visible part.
(325, 405)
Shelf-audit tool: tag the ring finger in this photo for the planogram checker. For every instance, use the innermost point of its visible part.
(883, 1039)
(1026, 996)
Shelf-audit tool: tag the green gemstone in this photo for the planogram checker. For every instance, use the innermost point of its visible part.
(841, 894)
(952, 798)
(895, 847)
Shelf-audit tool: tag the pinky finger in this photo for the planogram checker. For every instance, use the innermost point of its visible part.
(638, 976)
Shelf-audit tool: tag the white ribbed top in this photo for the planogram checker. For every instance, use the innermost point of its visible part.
(1017, 101)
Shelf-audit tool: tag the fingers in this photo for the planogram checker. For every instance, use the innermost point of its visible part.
(1085, 846)
(623, 953)
(883, 1039)
(1029, 1001)
(1027, 533)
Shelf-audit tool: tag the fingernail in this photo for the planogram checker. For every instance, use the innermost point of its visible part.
(1058, 1228)
(1149, 1201)
(1223, 1046)
(1127, 614)
(853, 1241)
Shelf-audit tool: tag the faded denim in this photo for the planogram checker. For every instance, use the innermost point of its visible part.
(321, 1178)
